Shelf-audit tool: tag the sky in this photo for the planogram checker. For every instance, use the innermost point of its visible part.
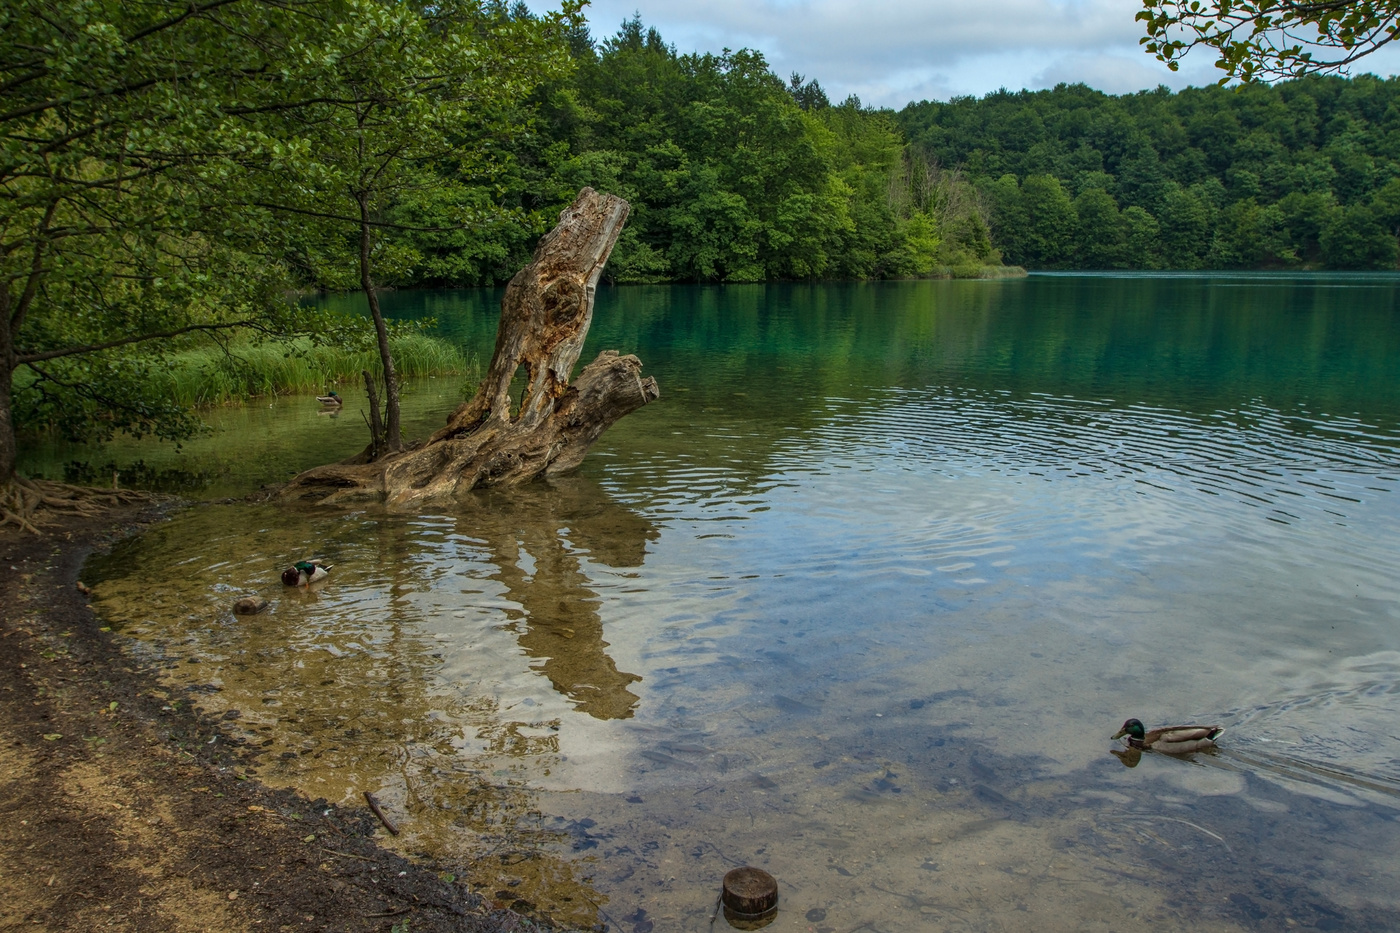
(891, 52)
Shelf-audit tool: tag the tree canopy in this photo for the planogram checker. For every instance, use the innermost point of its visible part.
(151, 153)
(733, 174)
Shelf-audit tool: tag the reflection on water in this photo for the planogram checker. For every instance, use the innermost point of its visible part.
(860, 603)
(538, 541)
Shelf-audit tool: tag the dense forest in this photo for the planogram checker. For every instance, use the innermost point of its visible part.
(1303, 174)
(733, 175)
(737, 175)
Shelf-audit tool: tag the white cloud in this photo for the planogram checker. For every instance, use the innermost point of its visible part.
(890, 52)
(1117, 73)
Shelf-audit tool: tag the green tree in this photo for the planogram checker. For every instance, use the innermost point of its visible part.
(1355, 239)
(1248, 236)
(407, 92)
(1189, 228)
(1101, 234)
(121, 124)
(1008, 216)
(1048, 240)
(1385, 206)
(1141, 239)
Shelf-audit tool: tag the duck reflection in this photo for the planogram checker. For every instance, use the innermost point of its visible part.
(538, 537)
(1129, 757)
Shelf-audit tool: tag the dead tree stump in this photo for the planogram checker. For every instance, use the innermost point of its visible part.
(488, 440)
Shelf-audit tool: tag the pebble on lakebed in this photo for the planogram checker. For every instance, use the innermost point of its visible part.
(249, 605)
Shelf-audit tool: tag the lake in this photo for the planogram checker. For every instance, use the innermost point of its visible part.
(860, 601)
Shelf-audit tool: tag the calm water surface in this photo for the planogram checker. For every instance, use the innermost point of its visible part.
(860, 601)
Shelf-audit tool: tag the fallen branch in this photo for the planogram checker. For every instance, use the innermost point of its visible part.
(374, 805)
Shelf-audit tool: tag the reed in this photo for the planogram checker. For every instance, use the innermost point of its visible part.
(208, 376)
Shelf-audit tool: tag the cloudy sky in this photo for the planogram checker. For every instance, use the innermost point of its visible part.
(890, 52)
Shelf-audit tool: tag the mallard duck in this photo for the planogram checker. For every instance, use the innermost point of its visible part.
(332, 399)
(1174, 740)
(304, 572)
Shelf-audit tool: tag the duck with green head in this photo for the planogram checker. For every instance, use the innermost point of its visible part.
(332, 399)
(1174, 740)
(306, 572)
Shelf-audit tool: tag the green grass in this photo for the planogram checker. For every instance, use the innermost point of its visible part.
(208, 376)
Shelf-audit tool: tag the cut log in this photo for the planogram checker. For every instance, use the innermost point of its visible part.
(488, 440)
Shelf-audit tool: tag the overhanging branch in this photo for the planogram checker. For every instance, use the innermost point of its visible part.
(346, 218)
(41, 356)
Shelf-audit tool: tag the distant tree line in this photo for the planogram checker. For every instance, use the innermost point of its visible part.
(737, 175)
(1302, 174)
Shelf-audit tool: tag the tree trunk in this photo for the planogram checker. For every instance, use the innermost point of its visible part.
(392, 441)
(545, 316)
(376, 427)
(9, 448)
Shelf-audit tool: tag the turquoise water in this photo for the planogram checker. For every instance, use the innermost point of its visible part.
(860, 601)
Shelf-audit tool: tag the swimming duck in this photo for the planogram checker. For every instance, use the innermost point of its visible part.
(332, 399)
(304, 572)
(1174, 740)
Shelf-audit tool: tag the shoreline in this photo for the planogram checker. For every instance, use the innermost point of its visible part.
(127, 810)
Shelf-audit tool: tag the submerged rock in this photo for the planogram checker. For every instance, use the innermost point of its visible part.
(249, 605)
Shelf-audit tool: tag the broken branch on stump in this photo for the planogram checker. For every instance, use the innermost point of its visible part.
(488, 441)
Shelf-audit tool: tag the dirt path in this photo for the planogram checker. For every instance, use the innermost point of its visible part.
(121, 810)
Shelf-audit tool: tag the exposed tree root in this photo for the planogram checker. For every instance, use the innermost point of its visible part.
(24, 502)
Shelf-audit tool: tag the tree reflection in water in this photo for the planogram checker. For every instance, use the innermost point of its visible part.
(539, 537)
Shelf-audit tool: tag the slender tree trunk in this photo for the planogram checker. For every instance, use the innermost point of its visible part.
(393, 438)
(9, 449)
(376, 426)
(13, 309)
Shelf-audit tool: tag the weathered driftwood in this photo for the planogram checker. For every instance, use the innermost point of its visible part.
(488, 441)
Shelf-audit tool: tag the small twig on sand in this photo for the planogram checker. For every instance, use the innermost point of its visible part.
(374, 805)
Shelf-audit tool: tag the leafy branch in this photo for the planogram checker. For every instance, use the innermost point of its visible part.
(1262, 40)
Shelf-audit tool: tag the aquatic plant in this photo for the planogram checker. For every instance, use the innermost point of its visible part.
(211, 375)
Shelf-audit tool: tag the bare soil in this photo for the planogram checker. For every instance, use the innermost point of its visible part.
(122, 810)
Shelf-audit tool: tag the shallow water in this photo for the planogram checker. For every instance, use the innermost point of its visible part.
(860, 601)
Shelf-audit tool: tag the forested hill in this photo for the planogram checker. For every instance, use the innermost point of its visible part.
(1304, 174)
(735, 174)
